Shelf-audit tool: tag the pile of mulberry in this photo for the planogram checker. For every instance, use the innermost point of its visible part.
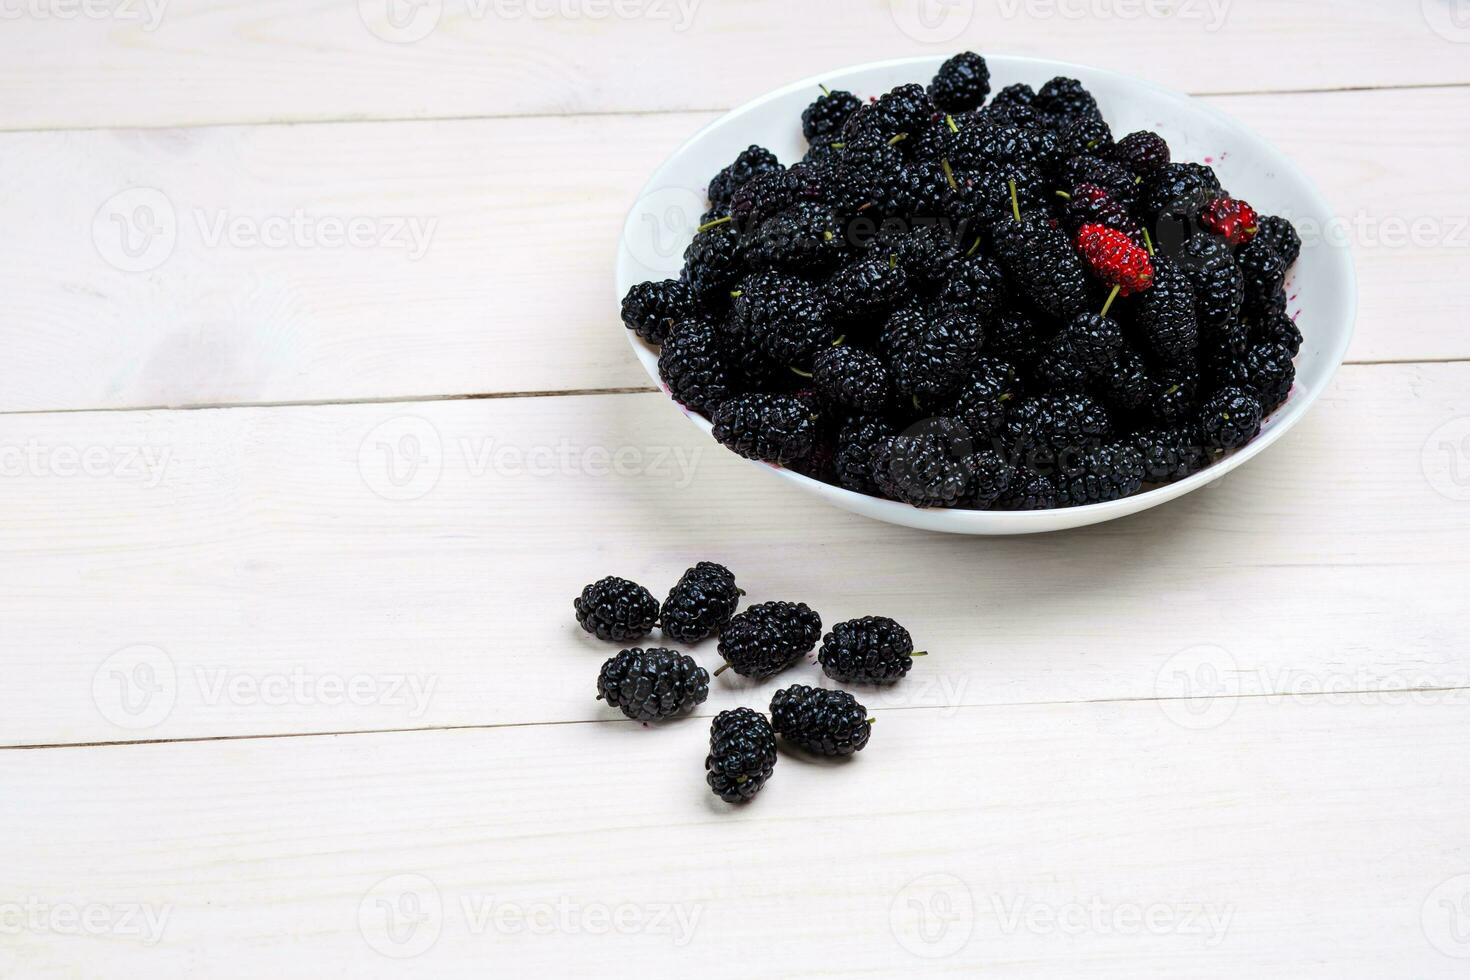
(961, 298)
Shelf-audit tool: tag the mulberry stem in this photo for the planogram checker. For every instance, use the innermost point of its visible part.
(1111, 296)
(1015, 201)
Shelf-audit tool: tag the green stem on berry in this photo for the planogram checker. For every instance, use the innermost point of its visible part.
(825, 89)
(898, 139)
(973, 248)
(1149, 241)
(840, 341)
(741, 780)
(954, 127)
(722, 670)
(828, 236)
(1015, 201)
(921, 653)
(872, 722)
(799, 371)
(1111, 296)
(737, 294)
(1064, 195)
(917, 406)
(716, 223)
(954, 185)
(893, 261)
(1093, 145)
(839, 146)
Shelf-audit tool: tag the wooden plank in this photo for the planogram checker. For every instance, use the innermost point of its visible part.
(189, 62)
(1011, 842)
(369, 567)
(521, 218)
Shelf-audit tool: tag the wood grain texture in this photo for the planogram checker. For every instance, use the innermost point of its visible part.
(1009, 842)
(371, 567)
(484, 255)
(189, 62)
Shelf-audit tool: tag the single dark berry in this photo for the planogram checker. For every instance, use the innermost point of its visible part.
(877, 178)
(805, 238)
(1093, 205)
(714, 261)
(1166, 315)
(787, 317)
(903, 111)
(1278, 328)
(1181, 189)
(1063, 99)
(1046, 432)
(962, 84)
(855, 447)
(1018, 95)
(1174, 398)
(937, 361)
(853, 378)
(650, 685)
(766, 639)
(1101, 475)
(829, 723)
(742, 755)
(1093, 341)
(750, 164)
(768, 194)
(1125, 386)
(692, 366)
(777, 429)
(1265, 278)
(1219, 285)
(1170, 455)
(652, 308)
(979, 403)
(1230, 419)
(871, 650)
(986, 147)
(1142, 152)
(1043, 265)
(977, 287)
(932, 465)
(1268, 372)
(993, 478)
(1083, 170)
(1016, 336)
(1029, 490)
(930, 255)
(1085, 135)
(701, 604)
(1280, 235)
(869, 287)
(616, 610)
(823, 119)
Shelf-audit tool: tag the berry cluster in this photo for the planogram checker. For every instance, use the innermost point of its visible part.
(650, 685)
(959, 300)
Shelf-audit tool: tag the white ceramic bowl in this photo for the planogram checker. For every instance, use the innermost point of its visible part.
(1323, 288)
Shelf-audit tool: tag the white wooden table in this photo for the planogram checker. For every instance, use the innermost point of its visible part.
(317, 413)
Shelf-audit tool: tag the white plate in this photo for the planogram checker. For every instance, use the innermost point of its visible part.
(1323, 287)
